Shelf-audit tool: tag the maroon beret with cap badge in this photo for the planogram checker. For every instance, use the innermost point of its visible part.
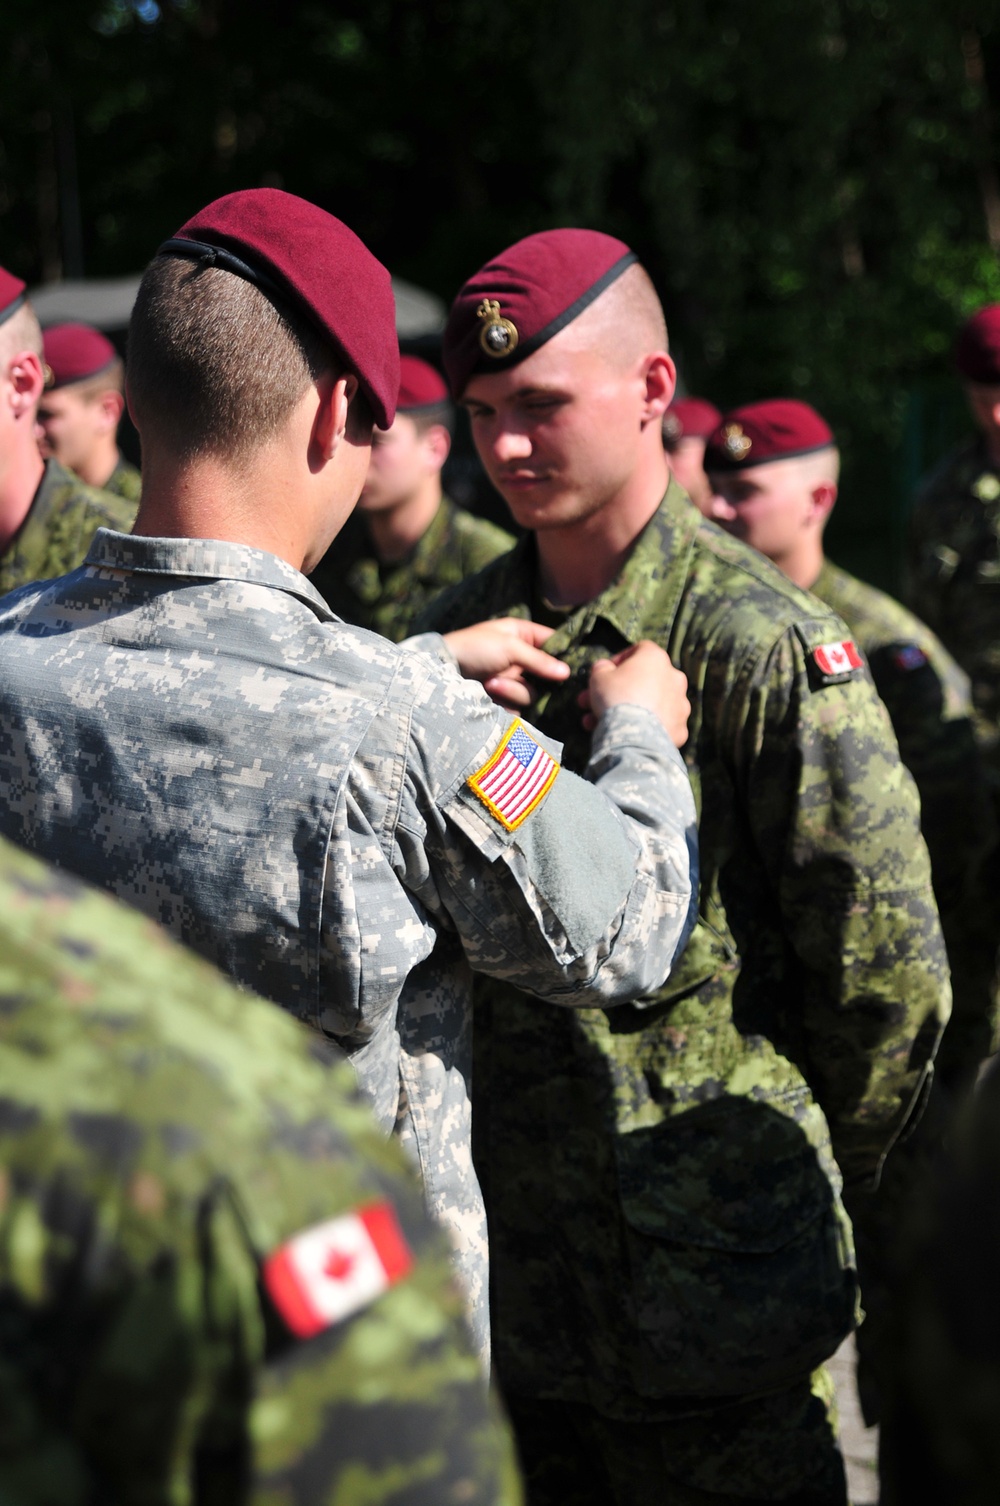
(689, 418)
(74, 352)
(298, 253)
(420, 386)
(977, 349)
(779, 429)
(12, 294)
(524, 296)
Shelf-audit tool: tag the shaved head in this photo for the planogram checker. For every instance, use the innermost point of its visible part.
(20, 332)
(625, 323)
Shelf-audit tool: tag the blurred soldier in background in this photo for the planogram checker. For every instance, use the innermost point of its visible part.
(81, 407)
(672, 1262)
(405, 540)
(47, 516)
(774, 470)
(217, 1280)
(312, 808)
(687, 424)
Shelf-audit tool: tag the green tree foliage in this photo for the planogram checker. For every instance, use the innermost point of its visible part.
(811, 182)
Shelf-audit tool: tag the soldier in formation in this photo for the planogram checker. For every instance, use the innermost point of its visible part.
(47, 515)
(405, 540)
(774, 469)
(217, 1280)
(81, 408)
(340, 824)
(671, 1258)
(687, 424)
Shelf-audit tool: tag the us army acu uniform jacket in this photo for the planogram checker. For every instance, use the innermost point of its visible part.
(954, 576)
(664, 1205)
(185, 723)
(388, 598)
(217, 1282)
(927, 697)
(63, 518)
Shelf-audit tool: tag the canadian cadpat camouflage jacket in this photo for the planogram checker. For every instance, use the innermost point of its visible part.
(55, 536)
(165, 1143)
(125, 481)
(388, 598)
(664, 1202)
(185, 723)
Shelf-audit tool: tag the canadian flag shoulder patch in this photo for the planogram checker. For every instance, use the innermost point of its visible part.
(514, 779)
(331, 1270)
(836, 659)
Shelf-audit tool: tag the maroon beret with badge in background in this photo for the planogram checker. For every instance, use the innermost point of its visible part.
(977, 349)
(74, 352)
(299, 254)
(524, 296)
(12, 294)
(689, 418)
(756, 433)
(420, 386)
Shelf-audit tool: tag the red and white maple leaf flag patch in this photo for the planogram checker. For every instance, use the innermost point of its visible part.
(837, 658)
(326, 1273)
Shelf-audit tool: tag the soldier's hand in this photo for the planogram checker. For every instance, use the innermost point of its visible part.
(640, 676)
(501, 653)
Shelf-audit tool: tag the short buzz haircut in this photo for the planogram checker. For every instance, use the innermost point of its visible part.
(214, 367)
(428, 415)
(21, 331)
(110, 378)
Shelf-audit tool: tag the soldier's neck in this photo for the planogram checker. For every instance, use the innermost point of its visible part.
(395, 531)
(578, 561)
(100, 464)
(20, 478)
(804, 567)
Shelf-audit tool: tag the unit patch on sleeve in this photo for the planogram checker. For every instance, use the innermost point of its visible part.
(835, 660)
(326, 1273)
(515, 778)
(910, 656)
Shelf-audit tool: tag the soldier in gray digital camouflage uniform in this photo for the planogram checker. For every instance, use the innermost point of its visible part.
(47, 515)
(217, 1280)
(671, 1259)
(312, 808)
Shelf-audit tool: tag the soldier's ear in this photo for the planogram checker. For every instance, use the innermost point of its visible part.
(824, 495)
(661, 382)
(26, 376)
(330, 422)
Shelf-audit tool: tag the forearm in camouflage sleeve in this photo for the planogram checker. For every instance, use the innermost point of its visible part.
(837, 820)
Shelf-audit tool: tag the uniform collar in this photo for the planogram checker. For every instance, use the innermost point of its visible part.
(201, 559)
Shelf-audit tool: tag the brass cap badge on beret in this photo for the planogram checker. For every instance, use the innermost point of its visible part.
(738, 444)
(497, 337)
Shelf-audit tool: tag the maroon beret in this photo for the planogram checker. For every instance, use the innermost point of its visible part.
(297, 253)
(689, 418)
(758, 432)
(420, 386)
(977, 349)
(526, 295)
(74, 352)
(12, 294)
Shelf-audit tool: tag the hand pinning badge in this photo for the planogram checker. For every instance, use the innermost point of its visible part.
(498, 336)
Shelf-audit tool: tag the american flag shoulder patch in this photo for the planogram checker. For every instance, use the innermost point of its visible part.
(515, 778)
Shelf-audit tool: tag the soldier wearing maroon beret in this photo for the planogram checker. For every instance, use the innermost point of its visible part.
(954, 541)
(671, 1258)
(345, 826)
(774, 469)
(687, 424)
(81, 407)
(405, 540)
(48, 516)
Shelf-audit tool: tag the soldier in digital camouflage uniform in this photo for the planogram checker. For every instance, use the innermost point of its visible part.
(81, 408)
(47, 516)
(173, 1155)
(315, 810)
(405, 540)
(671, 1259)
(940, 1442)
(774, 471)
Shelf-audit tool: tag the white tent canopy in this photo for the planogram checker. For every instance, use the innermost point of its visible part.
(107, 303)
